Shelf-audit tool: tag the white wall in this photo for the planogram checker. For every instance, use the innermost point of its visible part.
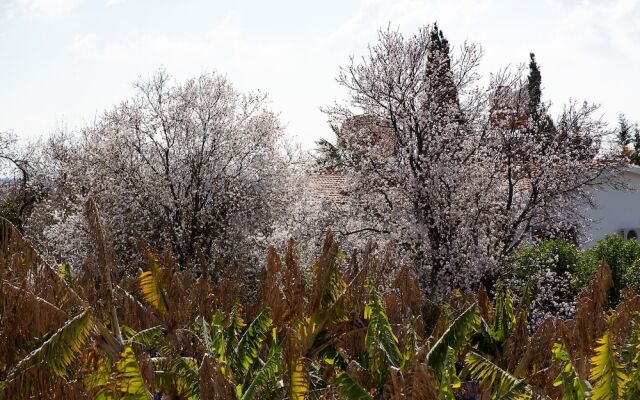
(615, 209)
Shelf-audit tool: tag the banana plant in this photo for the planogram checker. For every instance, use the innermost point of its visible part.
(236, 348)
(492, 335)
(380, 341)
(86, 330)
(607, 371)
(573, 386)
(326, 308)
(449, 380)
(614, 365)
(499, 383)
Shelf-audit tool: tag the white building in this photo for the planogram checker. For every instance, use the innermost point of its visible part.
(616, 211)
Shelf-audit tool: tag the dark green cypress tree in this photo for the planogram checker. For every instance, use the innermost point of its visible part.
(442, 99)
(635, 158)
(439, 67)
(439, 47)
(624, 132)
(540, 123)
(534, 88)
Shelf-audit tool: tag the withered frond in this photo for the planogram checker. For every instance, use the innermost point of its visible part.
(324, 290)
(272, 287)
(590, 319)
(486, 308)
(516, 343)
(59, 350)
(213, 384)
(423, 383)
(536, 363)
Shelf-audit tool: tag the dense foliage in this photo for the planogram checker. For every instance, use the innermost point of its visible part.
(558, 270)
(166, 293)
(346, 328)
(456, 173)
(628, 139)
(193, 164)
(550, 268)
(622, 256)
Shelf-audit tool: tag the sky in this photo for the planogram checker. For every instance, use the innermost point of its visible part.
(64, 62)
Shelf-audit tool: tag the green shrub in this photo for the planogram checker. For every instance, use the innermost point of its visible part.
(555, 254)
(10, 210)
(622, 256)
(547, 270)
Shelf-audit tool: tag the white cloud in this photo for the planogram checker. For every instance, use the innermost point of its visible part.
(85, 45)
(577, 43)
(49, 7)
(614, 24)
(6, 11)
(407, 16)
(115, 2)
(594, 54)
(286, 72)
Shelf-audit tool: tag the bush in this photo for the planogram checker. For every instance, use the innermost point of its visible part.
(10, 210)
(558, 270)
(548, 267)
(622, 256)
(557, 254)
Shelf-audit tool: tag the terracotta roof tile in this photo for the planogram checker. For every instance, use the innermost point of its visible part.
(326, 186)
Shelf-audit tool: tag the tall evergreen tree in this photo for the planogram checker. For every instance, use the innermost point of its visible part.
(635, 158)
(443, 101)
(438, 58)
(534, 88)
(540, 123)
(624, 134)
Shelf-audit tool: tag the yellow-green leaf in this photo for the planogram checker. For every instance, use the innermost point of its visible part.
(129, 380)
(151, 286)
(607, 374)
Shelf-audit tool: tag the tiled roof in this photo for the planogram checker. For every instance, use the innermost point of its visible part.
(326, 186)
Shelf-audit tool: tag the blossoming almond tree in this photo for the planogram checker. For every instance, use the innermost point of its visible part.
(195, 165)
(459, 174)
